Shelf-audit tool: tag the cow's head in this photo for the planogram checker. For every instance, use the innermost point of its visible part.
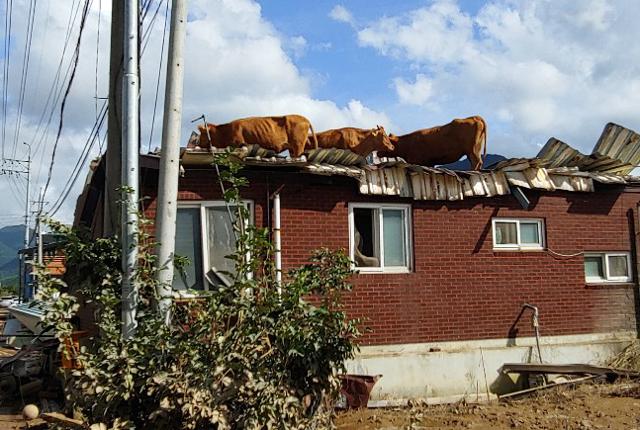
(379, 140)
(384, 143)
(207, 131)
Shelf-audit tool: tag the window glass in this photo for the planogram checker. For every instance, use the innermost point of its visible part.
(365, 253)
(594, 266)
(618, 266)
(189, 244)
(221, 243)
(529, 234)
(394, 237)
(506, 233)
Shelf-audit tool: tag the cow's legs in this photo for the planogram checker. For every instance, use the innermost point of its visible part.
(475, 160)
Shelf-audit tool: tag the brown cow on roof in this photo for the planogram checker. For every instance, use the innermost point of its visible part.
(443, 144)
(276, 133)
(361, 141)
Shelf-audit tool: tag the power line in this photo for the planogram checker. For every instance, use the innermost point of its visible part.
(7, 68)
(26, 55)
(155, 102)
(95, 95)
(76, 56)
(75, 173)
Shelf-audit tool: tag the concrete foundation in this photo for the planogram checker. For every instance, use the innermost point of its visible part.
(448, 371)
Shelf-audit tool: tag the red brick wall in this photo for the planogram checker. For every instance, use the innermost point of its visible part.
(459, 288)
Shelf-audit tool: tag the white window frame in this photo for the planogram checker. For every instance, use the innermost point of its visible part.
(607, 278)
(204, 226)
(519, 246)
(379, 239)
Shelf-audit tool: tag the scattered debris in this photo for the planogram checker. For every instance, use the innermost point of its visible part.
(63, 420)
(568, 369)
(527, 391)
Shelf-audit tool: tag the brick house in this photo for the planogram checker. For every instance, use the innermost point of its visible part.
(446, 259)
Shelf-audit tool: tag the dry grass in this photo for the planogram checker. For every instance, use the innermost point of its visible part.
(628, 358)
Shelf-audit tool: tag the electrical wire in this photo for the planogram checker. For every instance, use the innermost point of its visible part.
(95, 95)
(155, 102)
(76, 56)
(25, 73)
(558, 254)
(7, 67)
(94, 136)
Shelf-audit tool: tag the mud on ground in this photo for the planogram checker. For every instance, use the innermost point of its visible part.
(586, 407)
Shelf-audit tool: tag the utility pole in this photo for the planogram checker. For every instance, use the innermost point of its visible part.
(113, 156)
(170, 155)
(39, 221)
(130, 175)
(26, 202)
(12, 166)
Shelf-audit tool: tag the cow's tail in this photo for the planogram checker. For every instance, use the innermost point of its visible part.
(313, 135)
(482, 134)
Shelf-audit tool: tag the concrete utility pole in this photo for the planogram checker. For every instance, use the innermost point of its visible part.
(130, 175)
(166, 211)
(39, 221)
(111, 212)
(26, 204)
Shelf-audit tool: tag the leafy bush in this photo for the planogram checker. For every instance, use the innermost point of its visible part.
(243, 356)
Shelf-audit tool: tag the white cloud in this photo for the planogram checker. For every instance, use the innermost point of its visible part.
(236, 65)
(341, 14)
(533, 69)
(416, 93)
(298, 46)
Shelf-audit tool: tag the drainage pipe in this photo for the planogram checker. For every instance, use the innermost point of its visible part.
(276, 239)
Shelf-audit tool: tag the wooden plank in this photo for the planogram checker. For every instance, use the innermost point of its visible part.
(58, 418)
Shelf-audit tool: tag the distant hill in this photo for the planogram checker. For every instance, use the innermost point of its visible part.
(11, 239)
(465, 165)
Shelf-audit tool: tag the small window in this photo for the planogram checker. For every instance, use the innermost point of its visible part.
(607, 267)
(380, 237)
(518, 233)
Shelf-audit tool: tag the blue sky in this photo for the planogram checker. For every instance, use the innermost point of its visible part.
(532, 68)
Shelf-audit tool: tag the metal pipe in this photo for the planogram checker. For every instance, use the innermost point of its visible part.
(536, 326)
(130, 152)
(170, 156)
(277, 240)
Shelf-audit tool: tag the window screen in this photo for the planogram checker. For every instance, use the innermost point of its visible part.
(618, 266)
(506, 233)
(529, 233)
(189, 244)
(221, 243)
(594, 267)
(394, 237)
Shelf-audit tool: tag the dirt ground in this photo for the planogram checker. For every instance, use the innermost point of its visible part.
(586, 407)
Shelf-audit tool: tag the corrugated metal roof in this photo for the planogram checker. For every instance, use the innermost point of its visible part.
(556, 153)
(619, 143)
(557, 166)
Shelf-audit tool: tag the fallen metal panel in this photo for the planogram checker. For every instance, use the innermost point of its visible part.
(556, 153)
(565, 369)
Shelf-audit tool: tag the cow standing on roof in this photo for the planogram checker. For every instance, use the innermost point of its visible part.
(443, 144)
(360, 141)
(275, 133)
